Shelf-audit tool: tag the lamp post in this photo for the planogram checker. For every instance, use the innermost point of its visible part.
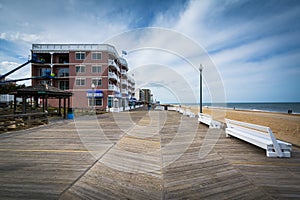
(51, 66)
(93, 97)
(201, 69)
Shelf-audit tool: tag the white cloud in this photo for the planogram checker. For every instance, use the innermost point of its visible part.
(248, 52)
(247, 49)
(7, 66)
(154, 46)
(20, 37)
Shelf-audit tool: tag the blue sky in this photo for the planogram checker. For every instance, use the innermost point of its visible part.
(254, 45)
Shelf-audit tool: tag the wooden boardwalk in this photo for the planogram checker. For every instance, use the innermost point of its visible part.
(140, 155)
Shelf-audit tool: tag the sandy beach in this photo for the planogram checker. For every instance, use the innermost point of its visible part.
(286, 127)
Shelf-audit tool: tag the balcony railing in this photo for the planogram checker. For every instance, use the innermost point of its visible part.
(131, 80)
(123, 62)
(63, 75)
(123, 72)
(112, 75)
(124, 91)
(124, 82)
(113, 87)
(67, 47)
(113, 64)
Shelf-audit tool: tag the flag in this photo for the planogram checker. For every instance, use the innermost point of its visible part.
(124, 52)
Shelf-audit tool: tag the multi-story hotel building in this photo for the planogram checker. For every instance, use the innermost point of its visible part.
(95, 73)
(147, 95)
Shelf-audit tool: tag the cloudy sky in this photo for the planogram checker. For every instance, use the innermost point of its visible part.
(253, 46)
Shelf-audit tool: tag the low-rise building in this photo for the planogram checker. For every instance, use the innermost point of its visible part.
(94, 73)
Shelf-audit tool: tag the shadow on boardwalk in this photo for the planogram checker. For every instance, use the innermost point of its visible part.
(101, 158)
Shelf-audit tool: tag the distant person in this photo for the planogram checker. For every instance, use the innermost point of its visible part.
(149, 106)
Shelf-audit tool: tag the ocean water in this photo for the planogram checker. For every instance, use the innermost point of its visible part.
(267, 107)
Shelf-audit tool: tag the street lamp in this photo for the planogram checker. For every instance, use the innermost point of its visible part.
(93, 97)
(51, 66)
(201, 69)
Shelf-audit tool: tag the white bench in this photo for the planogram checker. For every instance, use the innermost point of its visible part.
(207, 119)
(159, 108)
(260, 136)
(171, 108)
(189, 113)
(181, 110)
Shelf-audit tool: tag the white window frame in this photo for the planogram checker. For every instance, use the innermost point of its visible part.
(64, 81)
(63, 72)
(80, 57)
(43, 71)
(96, 81)
(81, 67)
(92, 100)
(96, 53)
(80, 79)
(97, 66)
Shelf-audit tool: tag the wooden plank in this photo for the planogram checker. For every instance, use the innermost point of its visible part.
(51, 162)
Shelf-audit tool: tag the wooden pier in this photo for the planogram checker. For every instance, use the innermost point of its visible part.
(140, 155)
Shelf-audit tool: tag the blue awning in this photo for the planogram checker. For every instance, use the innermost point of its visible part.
(118, 94)
(94, 94)
(132, 100)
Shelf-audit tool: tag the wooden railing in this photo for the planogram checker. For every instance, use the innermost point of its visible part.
(21, 121)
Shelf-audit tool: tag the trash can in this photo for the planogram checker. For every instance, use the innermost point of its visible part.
(70, 113)
(166, 107)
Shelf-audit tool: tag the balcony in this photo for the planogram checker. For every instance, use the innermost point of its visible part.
(130, 86)
(114, 76)
(124, 82)
(123, 62)
(124, 72)
(63, 72)
(113, 87)
(113, 64)
(131, 80)
(124, 91)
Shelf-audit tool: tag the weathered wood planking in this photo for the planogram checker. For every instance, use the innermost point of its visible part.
(211, 177)
(77, 161)
(130, 170)
(42, 162)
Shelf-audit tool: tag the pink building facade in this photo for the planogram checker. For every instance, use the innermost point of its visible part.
(95, 74)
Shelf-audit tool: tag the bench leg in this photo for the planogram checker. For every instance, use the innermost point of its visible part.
(273, 154)
(226, 134)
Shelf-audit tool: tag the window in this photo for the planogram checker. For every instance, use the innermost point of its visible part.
(110, 102)
(63, 72)
(63, 85)
(80, 55)
(95, 101)
(45, 82)
(96, 56)
(96, 69)
(44, 71)
(97, 81)
(80, 82)
(63, 59)
(80, 69)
